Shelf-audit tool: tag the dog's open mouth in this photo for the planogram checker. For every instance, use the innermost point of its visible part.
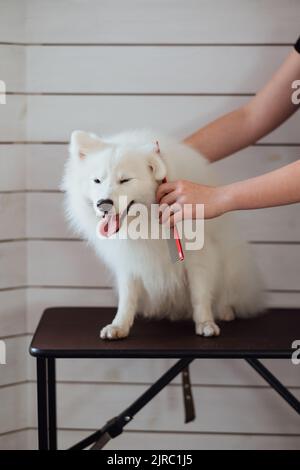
(111, 222)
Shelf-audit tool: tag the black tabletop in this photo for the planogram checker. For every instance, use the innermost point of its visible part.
(73, 332)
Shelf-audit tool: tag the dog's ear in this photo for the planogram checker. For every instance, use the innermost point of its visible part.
(156, 162)
(157, 166)
(82, 143)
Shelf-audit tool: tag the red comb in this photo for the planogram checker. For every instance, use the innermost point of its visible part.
(175, 231)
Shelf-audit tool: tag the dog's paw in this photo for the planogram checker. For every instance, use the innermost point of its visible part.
(227, 314)
(113, 332)
(208, 328)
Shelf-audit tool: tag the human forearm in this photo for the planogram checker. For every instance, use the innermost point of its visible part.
(277, 188)
(224, 136)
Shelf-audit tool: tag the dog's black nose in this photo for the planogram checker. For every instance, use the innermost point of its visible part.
(105, 205)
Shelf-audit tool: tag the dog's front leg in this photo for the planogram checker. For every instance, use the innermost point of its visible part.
(128, 302)
(201, 297)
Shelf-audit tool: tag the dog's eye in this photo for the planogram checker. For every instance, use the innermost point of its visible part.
(97, 181)
(125, 180)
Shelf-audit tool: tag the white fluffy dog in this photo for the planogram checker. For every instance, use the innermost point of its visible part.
(218, 282)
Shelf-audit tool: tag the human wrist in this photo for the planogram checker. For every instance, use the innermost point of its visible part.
(226, 198)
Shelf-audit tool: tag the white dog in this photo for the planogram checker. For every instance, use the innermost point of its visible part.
(217, 282)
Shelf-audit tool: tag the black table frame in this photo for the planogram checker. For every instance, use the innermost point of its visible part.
(46, 388)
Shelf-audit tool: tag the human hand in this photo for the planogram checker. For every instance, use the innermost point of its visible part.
(177, 194)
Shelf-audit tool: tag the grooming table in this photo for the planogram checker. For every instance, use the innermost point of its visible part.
(69, 332)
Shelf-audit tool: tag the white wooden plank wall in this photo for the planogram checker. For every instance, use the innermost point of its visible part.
(13, 375)
(104, 66)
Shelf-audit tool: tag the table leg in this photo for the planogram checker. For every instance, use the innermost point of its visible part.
(115, 426)
(52, 404)
(46, 403)
(275, 383)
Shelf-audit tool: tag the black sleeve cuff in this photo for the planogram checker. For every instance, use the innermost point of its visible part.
(297, 46)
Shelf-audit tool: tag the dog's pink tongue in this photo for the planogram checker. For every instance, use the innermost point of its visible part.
(109, 225)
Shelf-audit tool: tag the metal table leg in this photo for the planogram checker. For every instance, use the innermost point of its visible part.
(52, 404)
(114, 427)
(275, 383)
(46, 389)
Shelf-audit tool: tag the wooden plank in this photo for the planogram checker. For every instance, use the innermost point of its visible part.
(284, 299)
(133, 21)
(12, 67)
(70, 263)
(45, 215)
(15, 412)
(221, 409)
(12, 21)
(12, 119)
(203, 69)
(177, 115)
(144, 440)
(12, 264)
(12, 215)
(12, 167)
(280, 265)
(15, 369)
(65, 264)
(275, 224)
(19, 440)
(12, 312)
(45, 165)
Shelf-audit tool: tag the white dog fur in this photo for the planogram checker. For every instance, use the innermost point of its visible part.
(219, 282)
